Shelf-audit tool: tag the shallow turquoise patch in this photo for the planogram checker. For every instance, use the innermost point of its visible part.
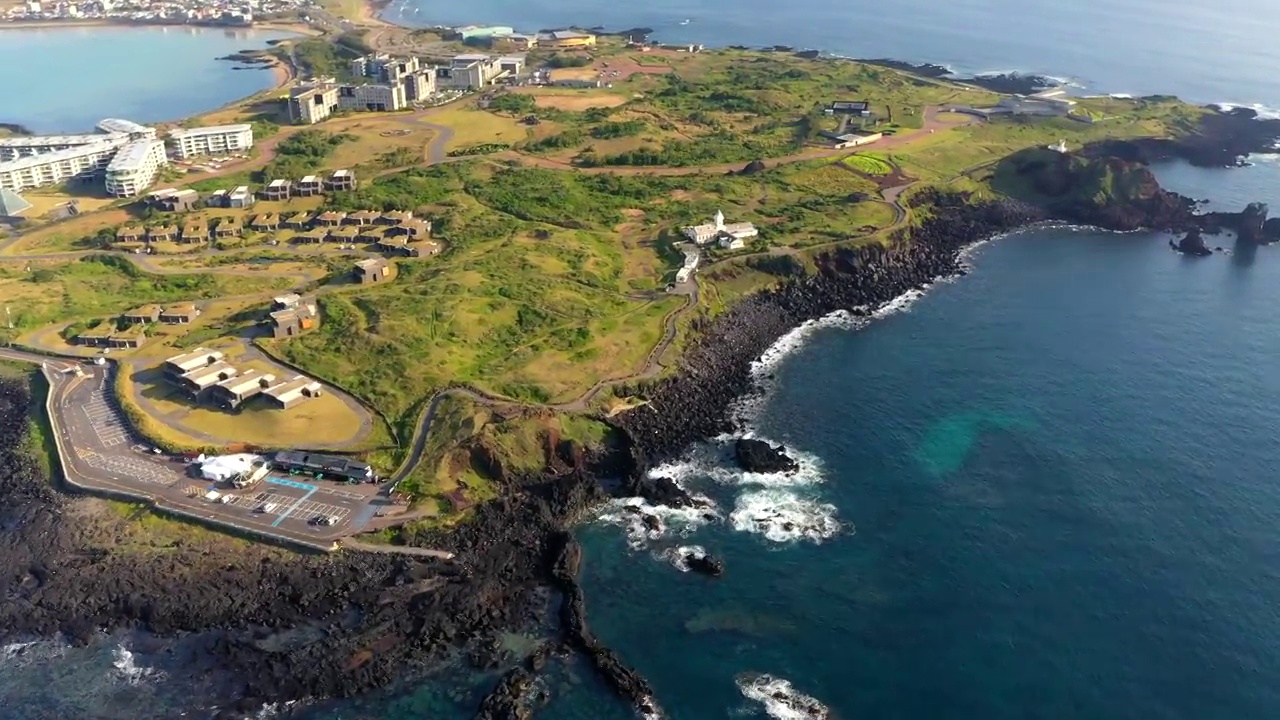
(947, 444)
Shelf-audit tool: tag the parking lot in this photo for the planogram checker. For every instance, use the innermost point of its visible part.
(104, 453)
(103, 417)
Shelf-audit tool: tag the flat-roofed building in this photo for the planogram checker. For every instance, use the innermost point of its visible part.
(135, 131)
(371, 234)
(566, 39)
(297, 221)
(162, 233)
(330, 218)
(343, 234)
(213, 140)
(340, 180)
(513, 42)
(323, 466)
(372, 97)
(130, 234)
(227, 228)
(233, 392)
(310, 237)
(265, 222)
(216, 199)
(194, 231)
(171, 200)
(372, 270)
(181, 314)
(179, 365)
(135, 167)
(293, 391)
(198, 381)
(420, 85)
(411, 229)
(51, 168)
(277, 189)
(309, 104)
(293, 321)
(141, 315)
(20, 146)
(240, 197)
(310, 186)
(361, 217)
(394, 217)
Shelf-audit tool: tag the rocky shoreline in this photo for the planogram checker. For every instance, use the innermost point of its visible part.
(373, 618)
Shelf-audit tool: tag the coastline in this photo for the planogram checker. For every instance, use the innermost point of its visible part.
(298, 27)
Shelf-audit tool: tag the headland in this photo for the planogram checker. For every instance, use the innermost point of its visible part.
(529, 285)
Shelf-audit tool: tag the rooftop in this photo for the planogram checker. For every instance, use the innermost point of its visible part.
(278, 183)
(204, 376)
(144, 310)
(240, 383)
(133, 156)
(181, 309)
(31, 161)
(40, 140)
(371, 264)
(11, 203)
(117, 125)
(292, 388)
(310, 179)
(211, 130)
(201, 355)
(340, 173)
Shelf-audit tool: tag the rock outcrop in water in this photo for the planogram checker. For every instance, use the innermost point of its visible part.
(1192, 244)
(758, 456)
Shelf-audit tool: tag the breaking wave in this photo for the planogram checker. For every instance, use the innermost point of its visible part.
(782, 516)
(780, 699)
(643, 523)
(130, 671)
(679, 556)
(1265, 112)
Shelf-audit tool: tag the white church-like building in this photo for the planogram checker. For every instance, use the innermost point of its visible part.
(731, 236)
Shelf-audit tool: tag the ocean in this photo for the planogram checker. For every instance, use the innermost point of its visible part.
(70, 78)
(1042, 490)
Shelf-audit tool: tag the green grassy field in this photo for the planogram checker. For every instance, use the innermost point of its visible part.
(868, 164)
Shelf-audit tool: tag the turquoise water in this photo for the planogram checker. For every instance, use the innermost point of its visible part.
(67, 79)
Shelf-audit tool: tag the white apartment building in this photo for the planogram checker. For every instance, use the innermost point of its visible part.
(215, 140)
(134, 130)
(51, 168)
(309, 105)
(134, 168)
(372, 97)
(12, 148)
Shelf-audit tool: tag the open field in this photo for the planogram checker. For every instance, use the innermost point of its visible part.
(574, 101)
(472, 126)
(868, 164)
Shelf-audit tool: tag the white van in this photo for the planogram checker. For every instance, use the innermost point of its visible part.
(267, 508)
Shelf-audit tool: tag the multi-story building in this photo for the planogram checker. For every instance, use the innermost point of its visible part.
(134, 168)
(12, 148)
(60, 166)
(215, 140)
(309, 105)
(134, 130)
(372, 97)
(384, 68)
(471, 71)
(420, 85)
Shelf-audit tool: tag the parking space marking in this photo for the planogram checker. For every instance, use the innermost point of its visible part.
(291, 483)
(294, 506)
(128, 468)
(104, 419)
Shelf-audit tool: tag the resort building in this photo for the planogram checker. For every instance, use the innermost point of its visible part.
(291, 321)
(276, 190)
(180, 365)
(472, 70)
(13, 148)
(215, 140)
(479, 32)
(372, 270)
(566, 39)
(233, 392)
(420, 85)
(52, 168)
(134, 167)
(135, 131)
(731, 235)
(690, 264)
(340, 180)
(309, 104)
(174, 200)
(241, 197)
(384, 68)
(378, 98)
(513, 42)
(198, 381)
(319, 466)
(183, 314)
(309, 186)
(292, 391)
(141, 316)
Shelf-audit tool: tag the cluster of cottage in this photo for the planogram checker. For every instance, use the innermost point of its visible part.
(205, 376)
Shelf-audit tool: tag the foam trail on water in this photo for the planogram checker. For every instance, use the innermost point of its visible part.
(679, 557)
(780, 699)
(1265, 112)
(630, 514)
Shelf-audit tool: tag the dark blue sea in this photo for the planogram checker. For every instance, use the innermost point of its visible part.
(1046, 489)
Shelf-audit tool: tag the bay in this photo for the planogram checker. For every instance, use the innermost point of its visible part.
(64, 80)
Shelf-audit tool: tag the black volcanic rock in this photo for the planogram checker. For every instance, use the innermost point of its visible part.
(1014, 83)
(705, 564)
(1192, 244)
(753, 167)
(662, 491)
(1271, 230)
(1251, 223)
(759, 456)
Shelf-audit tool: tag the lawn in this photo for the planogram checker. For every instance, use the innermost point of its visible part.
(473, 126)
(869, 164)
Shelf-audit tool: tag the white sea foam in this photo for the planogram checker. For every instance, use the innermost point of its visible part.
(1265, 112)
(13, 650)
(271, 710)
(679, 556)
(780, 699)
(131, 672)
(630, 514)
(782, 516)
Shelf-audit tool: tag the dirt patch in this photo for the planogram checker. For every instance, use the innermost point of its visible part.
(622, 68)
(680, 195)
(579, 102)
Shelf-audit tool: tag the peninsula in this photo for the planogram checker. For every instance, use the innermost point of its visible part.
(396, 322)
